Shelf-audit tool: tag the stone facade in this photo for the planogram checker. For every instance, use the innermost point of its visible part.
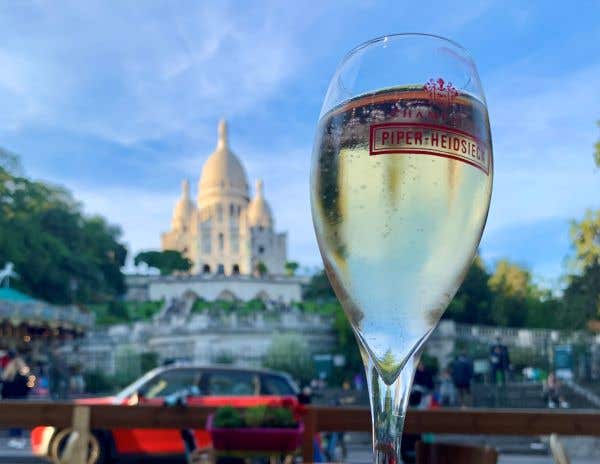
(226, 232)
(199, 338)
(279, 289)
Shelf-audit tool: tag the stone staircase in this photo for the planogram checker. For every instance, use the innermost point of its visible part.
(581, 396)
(512, 395)
(176, 308)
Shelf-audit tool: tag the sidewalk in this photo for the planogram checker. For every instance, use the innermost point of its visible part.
(361, 454)
(17, 456)
(507, 459)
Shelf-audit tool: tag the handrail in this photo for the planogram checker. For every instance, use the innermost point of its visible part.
(317, 419)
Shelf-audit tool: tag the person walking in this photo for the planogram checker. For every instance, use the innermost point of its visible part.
(462, 374)
(15, 386)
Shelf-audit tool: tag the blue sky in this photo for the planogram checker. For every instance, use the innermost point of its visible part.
(119, 101)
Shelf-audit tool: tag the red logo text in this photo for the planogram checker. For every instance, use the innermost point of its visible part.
(429, 139)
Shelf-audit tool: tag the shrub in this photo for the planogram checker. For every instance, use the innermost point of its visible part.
(228, 417)
(291, 354)
(256, 416)
(98, 382)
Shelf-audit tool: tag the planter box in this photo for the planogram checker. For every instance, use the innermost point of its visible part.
(255, 439)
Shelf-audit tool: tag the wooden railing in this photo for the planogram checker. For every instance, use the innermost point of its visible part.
(317, 419)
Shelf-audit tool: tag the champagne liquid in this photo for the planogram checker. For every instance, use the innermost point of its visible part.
(397, 231)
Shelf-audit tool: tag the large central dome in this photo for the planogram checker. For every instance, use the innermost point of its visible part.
(223, 173)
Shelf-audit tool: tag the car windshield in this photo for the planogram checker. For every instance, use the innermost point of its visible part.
(135, 386)
(219, 382)
(276, 385)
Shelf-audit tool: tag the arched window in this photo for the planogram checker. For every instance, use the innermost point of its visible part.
(227, 295)
(220, 269)
(231, 210)
(236, 269)
(206, 269)
(261, 250)
(263, 296)
(219, 212)
(221, 242)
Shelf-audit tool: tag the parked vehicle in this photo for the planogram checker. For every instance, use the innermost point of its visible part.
(217, 386)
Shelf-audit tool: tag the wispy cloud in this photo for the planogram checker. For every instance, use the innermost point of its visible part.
(544, 131)
(119, 102)
(130, 74)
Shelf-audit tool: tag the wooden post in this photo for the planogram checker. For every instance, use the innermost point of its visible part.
(310, 429)
(558, 450)
(77, 452)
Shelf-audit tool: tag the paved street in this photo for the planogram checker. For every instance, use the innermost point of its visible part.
(358, 454)
(16, 456)
(363, 456)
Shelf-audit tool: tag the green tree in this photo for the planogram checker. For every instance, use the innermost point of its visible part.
(117, 310)
(472, 303)
(545, 311)
(261, 269)
(319, 298)
(505, 298)
(319, 288)
(585, 236)
(512, 294)
(167, 261)
(346, 343)
(97, 381)
(581, 299)
(291, 354)
(61, 255)
(148, 361)
(291, 267)
(9, 162)
(510, 279)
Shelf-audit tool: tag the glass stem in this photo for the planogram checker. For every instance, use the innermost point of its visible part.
(388, 410)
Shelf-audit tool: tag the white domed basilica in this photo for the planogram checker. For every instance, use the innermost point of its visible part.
(226, 232)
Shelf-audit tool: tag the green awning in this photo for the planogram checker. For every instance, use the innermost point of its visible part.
(10, 294)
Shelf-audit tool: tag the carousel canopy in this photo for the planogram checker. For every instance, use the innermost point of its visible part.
(17, 308)
(10, 294)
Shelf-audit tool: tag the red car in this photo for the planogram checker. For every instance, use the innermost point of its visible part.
(218, 386)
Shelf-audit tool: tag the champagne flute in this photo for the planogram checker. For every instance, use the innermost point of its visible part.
(401, 181)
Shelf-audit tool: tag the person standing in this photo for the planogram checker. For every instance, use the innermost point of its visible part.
(15, 386)
(423, 379)
(76, 381)
(499, 362)
(58, 376)
(447, 389)
(462, 374)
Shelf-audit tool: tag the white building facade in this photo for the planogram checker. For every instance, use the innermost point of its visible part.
(226, 232)
(280, 289)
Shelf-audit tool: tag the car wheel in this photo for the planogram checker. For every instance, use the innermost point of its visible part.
(61, 446)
